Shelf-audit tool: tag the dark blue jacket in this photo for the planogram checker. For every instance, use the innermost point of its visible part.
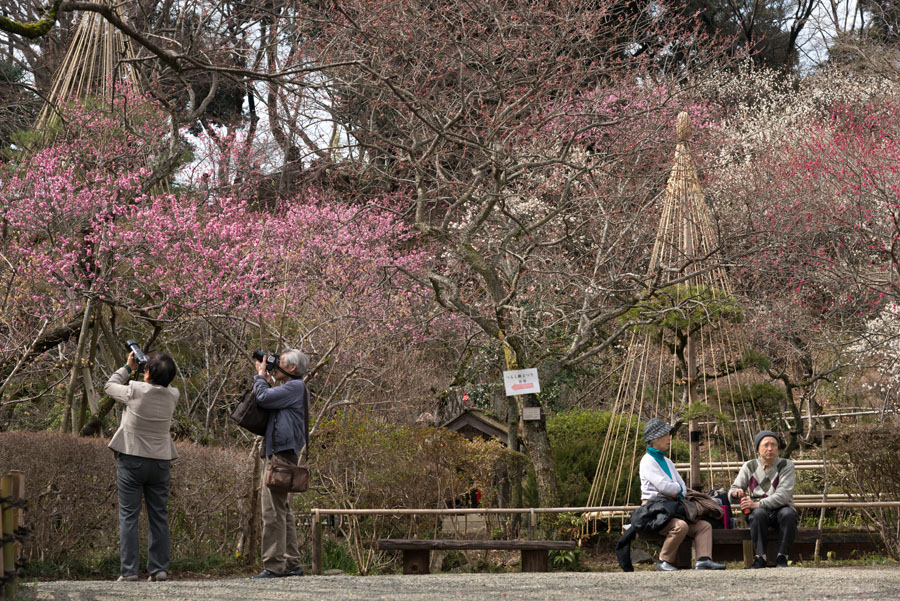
(287, 405)
(653, 515)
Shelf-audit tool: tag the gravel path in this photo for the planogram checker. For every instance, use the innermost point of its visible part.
(733, 585)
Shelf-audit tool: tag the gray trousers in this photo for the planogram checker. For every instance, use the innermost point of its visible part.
(137, 478)
(760, 519)
(280, 552)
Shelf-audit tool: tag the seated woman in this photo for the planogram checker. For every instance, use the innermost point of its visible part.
(658, 477)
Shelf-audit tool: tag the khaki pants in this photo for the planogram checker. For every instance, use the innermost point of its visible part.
(280, 552)
(676, 530)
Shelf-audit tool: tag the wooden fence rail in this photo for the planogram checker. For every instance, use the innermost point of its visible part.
(12, 517)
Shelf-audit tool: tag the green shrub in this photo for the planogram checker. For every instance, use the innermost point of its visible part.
(336, 556)
(567, 560)
(576, 439)
(358, 461)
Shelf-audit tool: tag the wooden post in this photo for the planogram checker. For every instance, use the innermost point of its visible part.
(316, 542)
(532, 524)
(694, 429)
(747, 548)
(535, 560)
(692, 393)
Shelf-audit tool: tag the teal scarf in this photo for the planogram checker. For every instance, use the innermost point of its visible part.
(660, 458)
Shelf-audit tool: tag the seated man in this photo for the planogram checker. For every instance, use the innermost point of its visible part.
(765, 486)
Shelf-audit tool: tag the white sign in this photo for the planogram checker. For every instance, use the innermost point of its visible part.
(521, 381)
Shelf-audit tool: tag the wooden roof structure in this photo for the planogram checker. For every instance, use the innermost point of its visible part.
(474, 423)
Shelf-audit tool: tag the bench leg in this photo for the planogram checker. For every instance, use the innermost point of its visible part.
(416, 561)
(534, 560)
(748, 553)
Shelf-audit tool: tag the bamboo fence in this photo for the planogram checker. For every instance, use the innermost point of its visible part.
(12, 502)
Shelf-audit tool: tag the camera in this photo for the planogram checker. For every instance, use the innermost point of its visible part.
(139, 355)
(271, 359)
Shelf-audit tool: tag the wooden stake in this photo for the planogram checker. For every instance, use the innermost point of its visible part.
(9, 525)
(316, 542)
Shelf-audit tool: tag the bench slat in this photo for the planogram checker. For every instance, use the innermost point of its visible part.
(500, 545)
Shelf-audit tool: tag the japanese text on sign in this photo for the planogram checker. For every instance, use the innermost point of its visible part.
(521, 381)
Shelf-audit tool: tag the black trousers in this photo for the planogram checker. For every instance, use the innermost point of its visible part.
(137, 478)
(760, 520)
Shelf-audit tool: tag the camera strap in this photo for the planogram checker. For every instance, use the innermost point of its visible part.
(287, 373)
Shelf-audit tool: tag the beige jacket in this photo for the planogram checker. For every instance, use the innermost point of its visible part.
(144, 431)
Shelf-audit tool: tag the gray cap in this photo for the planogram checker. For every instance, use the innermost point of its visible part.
(656, 428)
(762, 434)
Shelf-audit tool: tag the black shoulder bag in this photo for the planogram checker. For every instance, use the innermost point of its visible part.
(250, 416)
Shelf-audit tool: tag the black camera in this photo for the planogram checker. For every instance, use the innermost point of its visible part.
(271, 359)
(139, 355)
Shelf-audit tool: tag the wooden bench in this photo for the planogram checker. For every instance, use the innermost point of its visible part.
(735, 544)
(417, 552)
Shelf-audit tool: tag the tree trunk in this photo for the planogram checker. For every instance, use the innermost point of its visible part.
(515, 479)
(248, 547)
(537, 447)
(95, 424)
(69, 410)
(537, 443)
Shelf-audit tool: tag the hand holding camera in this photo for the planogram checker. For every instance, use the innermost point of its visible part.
(136, 358)
(265, 362)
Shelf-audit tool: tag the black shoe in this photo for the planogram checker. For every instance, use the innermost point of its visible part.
(268, 574)
(298, 571)
(759, 562)
(665, 566)
(781, 561)
(706, 563)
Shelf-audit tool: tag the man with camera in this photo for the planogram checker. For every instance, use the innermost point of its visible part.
(285, 440)
(144, 450)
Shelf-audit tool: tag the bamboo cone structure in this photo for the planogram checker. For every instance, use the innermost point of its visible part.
(99, 60)
(98, 56)
(696, 357)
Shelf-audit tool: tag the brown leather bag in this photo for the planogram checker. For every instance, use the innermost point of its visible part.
(287, 478)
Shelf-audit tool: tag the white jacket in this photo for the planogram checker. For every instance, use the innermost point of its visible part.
(654, 480)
